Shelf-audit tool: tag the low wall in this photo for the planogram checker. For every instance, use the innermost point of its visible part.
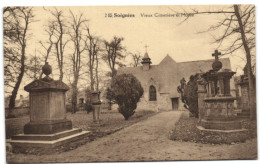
(18, 111)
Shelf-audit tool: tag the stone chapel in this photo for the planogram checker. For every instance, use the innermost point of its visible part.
(160, 81)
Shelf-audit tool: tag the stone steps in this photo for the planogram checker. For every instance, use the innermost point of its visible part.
(46, 137)
(47, 144)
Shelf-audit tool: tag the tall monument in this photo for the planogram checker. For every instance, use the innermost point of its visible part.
(217, 119)
(48, 128)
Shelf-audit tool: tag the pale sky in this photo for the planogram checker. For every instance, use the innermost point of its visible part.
(163, 35)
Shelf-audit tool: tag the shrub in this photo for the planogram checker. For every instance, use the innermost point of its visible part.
(189, 94)
(126, 91)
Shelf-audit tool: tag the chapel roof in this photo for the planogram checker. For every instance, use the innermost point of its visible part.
(167, 59)
(169, 73)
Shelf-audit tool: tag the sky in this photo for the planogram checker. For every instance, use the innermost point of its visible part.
(162, 35)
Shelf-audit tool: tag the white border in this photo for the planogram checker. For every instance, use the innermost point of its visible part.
(108, 3)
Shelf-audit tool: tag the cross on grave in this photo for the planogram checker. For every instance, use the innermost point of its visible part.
(216, 54)
(146, 47)
(216, 65)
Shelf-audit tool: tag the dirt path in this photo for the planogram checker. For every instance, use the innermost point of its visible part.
(145, 141)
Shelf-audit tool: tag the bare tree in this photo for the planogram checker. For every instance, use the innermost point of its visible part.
(12, 58)
(47, 46)
(76, 35)
(16, 25)
(113, 54)
(97, 71)
(34, 67)
(238, 32)
(93, 48)
(248, 43)
(60, 29)
(136, 58)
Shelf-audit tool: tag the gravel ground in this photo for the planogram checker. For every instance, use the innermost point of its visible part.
(147, 140)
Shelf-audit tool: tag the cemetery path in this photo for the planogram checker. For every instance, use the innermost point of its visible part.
(144, 141)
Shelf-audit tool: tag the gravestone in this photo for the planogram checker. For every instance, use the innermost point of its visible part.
(242, 86)
(217, 119)
(48, 129)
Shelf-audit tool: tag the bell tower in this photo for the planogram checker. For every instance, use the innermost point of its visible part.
(146, 61)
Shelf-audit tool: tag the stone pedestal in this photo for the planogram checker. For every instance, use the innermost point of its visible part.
(95, 99)
(219, 114)
(48, 126)
(47, 107)
(243, 101)
(96, 112)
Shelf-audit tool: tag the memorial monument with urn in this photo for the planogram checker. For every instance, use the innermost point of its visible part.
(217, 118)
(48, 127)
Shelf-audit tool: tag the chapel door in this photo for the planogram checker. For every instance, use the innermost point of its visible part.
(175, 103)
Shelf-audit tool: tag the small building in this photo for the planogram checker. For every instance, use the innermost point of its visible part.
(160, 81)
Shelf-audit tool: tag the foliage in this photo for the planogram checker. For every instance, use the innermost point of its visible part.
(189, 95)
(113, 54)
(126, 91)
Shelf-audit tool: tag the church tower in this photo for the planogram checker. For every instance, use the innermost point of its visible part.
(146, 62)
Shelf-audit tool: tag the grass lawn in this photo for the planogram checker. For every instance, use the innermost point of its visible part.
(185, 130)
(110, 122)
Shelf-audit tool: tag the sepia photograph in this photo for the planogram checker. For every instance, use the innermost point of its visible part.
(129, 83)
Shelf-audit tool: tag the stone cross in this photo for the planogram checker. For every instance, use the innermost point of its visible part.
(146, 47)
(216, 54)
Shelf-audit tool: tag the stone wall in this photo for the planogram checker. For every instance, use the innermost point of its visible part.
(19, 112)
(163, 103)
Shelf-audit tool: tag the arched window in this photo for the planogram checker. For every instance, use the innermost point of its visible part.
(152, 93)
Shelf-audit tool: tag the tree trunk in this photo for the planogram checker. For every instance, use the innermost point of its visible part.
(17, 85)
(249, 67)
(61, 75)
(91, 78)
(113, 73)
(97, 79)
(74, 97)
